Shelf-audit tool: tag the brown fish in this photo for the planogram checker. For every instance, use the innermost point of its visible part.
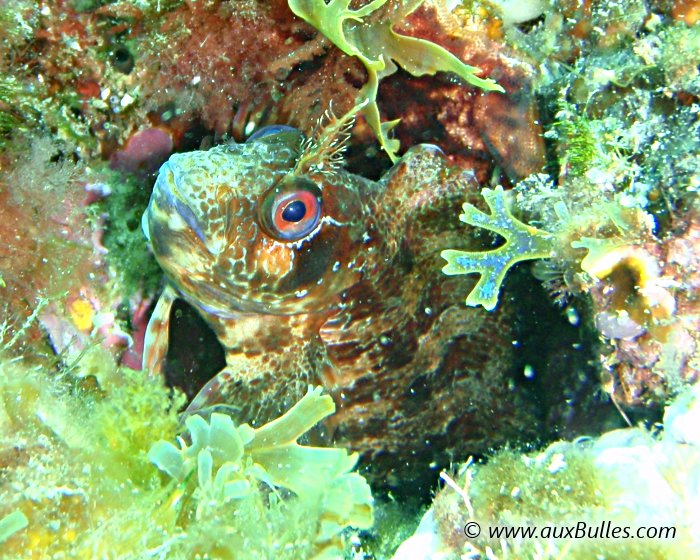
(311, 275)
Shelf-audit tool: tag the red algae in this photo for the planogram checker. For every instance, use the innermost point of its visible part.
(144, 152)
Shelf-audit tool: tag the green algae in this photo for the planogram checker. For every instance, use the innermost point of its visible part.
(17, 108)
(522, 242)
(11, 523)
(76, 452)
(232, 461)
(378, 46)
(567, 487)
(394, 522)
(557, 486)
(128, 254)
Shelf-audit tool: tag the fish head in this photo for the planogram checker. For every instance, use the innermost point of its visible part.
(238, 228)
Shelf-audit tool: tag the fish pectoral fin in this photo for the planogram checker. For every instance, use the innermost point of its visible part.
(156, 339)
(246, 398)
(213, 393)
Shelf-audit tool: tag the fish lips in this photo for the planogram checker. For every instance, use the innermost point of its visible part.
(170, 198)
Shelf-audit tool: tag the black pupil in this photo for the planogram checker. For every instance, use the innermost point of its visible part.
(294, 212)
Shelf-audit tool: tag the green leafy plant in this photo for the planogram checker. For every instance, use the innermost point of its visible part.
(522, 242)
(232, 462)
(378, 46)
(11, 523)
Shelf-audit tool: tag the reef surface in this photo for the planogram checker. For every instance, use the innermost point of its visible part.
(510, 189)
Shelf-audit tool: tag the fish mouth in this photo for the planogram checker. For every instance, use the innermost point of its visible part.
(168, 186)
(144, 226)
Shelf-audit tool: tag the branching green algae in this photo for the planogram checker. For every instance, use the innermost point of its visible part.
(523, 242)
(378, 46)
(75, 462)
(230, 463)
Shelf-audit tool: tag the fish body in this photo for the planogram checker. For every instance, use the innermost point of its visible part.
(313, 275)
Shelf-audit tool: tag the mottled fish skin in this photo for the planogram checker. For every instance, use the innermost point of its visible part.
(357, 304)
(235, 266)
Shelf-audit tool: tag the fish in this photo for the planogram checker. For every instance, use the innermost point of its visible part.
(311, 275)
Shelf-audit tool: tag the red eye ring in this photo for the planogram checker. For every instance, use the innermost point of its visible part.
(292, 209)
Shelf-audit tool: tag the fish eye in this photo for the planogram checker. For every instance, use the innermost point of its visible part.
(291, 209)
(294, 211)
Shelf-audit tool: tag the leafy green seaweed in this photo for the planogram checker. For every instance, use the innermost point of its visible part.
(378, 46)
(523, 242)
(231, 461)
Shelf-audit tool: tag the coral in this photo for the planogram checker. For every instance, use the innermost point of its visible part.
(522, 242)
(675, 51)
(39, 100)
(376, 44)
(62, 79)
(76, 70)
(98, 74)
(625, 480)
(626, 131)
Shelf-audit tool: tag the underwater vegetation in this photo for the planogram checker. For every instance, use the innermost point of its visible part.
(610, 219)
(378, 47)
(91, 489)
(523, 243)
(629, 478)
(547, 149)
(230, 462)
